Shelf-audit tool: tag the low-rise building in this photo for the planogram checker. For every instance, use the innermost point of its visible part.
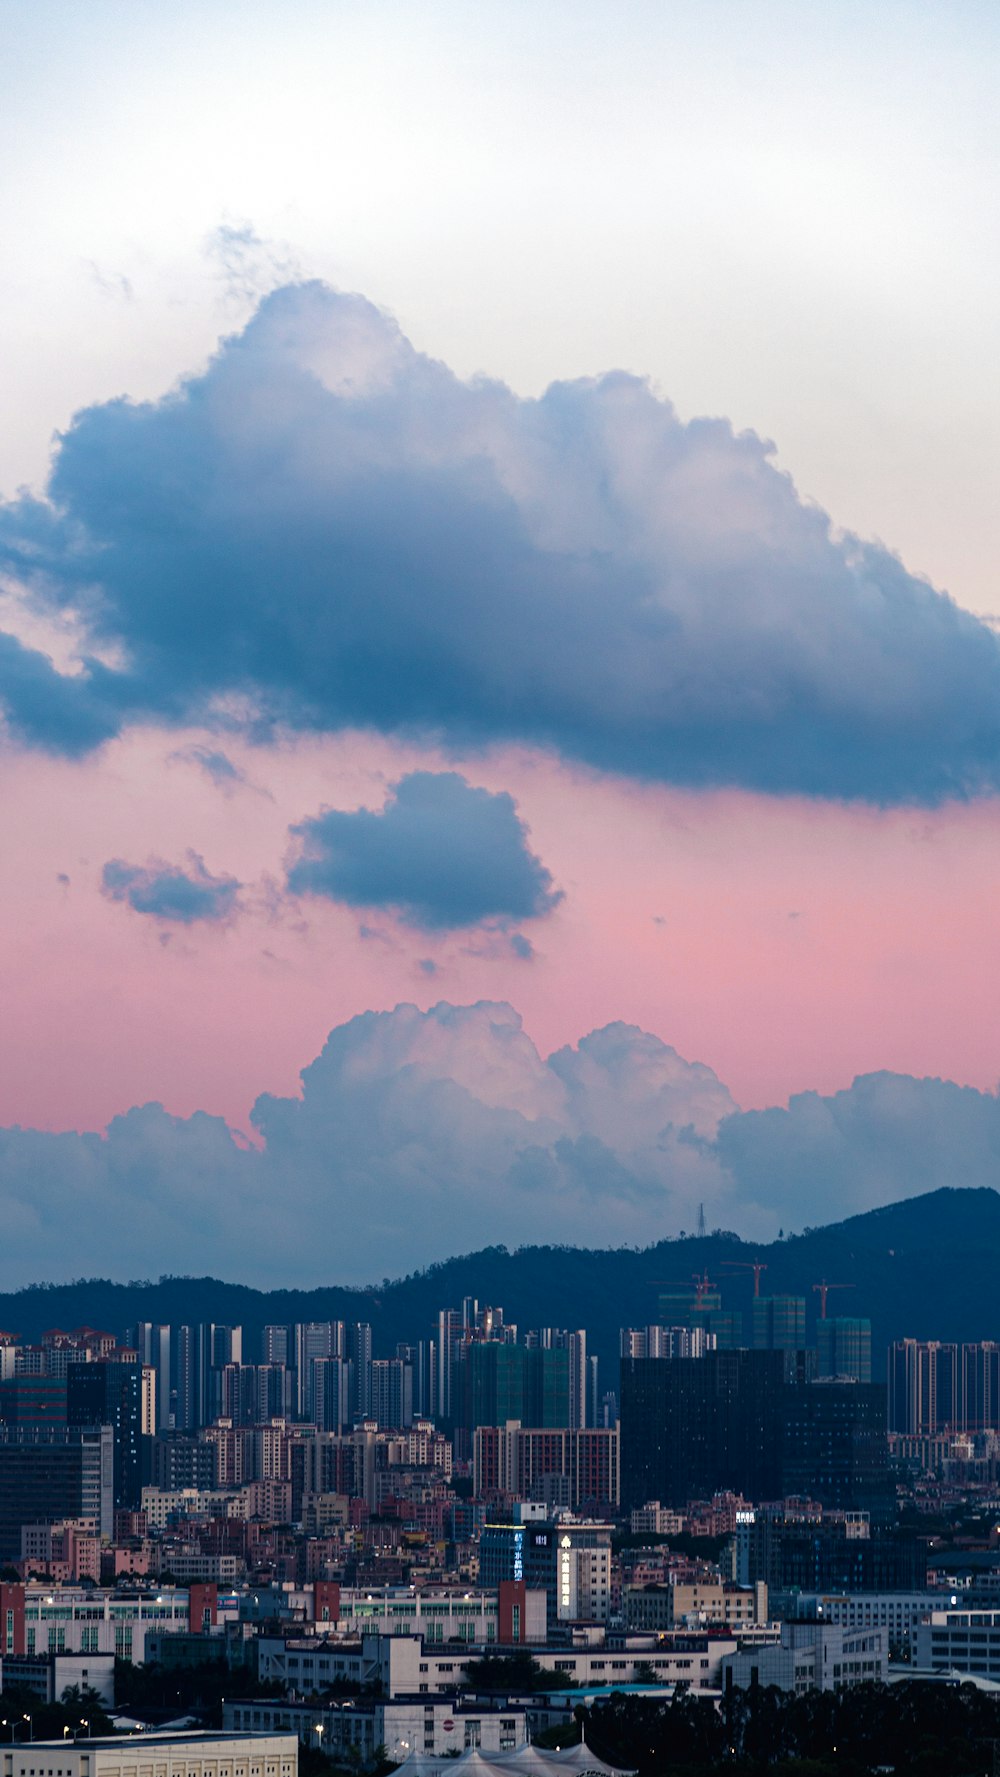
(38, 1618)
(166, 1505)
(701, 1601)
(405, 1665)
(811, 1657)
(959, 1640)
(156, 1755)
(356, 1728)
(49, 1675)
(897, 1614)
(656, 1520)
(473, 1614)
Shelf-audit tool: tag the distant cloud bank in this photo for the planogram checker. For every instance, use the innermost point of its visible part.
(420, 1134)
(326, 529)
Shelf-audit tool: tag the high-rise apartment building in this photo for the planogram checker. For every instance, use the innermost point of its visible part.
(779, 1323)
(924, 1387)
(449, 1334)
(199, 1353)
(574, 1343)
(664, 1342)
(844, 1345)
(274, 1392)
(419, 1358)
(936, 1387)
(980, 1383)
(238, 1393)
(331, 1393)
(276, 1346)
(680, 1305)
(391, 1393)
(519, 1460)
(505, 1382)
(312, 1339)
(152, 1343)
(359, 1350)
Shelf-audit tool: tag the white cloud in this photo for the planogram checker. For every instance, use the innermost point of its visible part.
(421, 1134)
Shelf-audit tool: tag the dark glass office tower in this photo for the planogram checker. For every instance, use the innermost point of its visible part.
(111, 1394)
(694, 1426)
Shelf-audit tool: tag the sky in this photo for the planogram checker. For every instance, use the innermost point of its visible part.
(497, 625)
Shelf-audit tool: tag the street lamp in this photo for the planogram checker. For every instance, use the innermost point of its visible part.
(31, 1726)
(83, 1724)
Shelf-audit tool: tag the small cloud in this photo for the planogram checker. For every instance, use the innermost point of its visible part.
(428, 965)
(249, 265)
(658, 919)
(522, 946)
(275, 961)
(217, 765)
(370, 934)
(166, 891)
(62, 878)
(440, 854)
(114, 284)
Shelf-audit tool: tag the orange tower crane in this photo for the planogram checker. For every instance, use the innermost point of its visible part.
(824, 1289)
(757, 1266)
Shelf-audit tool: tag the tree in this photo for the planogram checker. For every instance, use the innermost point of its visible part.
(502, 1674)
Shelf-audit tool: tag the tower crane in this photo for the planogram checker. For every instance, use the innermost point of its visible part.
(701, 1280)
(823, 1289)
(756, 1266)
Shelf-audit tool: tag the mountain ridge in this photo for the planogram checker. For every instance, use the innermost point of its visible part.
(924, 1266)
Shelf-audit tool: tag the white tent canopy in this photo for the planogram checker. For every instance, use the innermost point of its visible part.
(524, 1761)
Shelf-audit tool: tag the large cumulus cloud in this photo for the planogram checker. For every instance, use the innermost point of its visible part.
(415, 1134)
(420, 1134)
(327, 529)
(441, 852)
(888, 1136)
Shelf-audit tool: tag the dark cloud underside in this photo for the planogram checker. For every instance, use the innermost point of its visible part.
(170, 892)
(441, 853)
(328, 530)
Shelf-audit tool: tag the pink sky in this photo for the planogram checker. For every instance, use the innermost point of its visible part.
(789, 945)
